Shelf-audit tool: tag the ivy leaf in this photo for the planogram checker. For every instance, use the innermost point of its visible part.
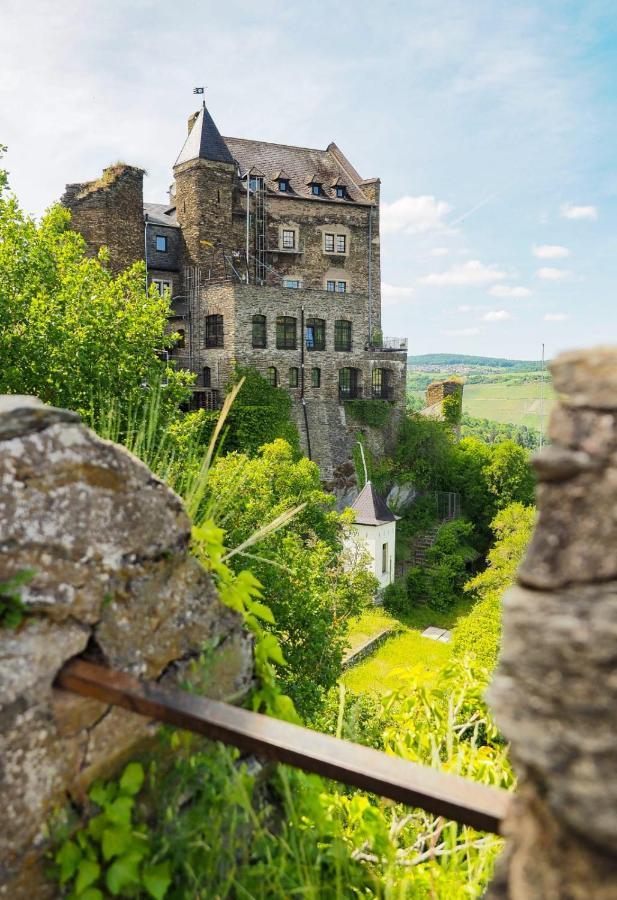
(68, 857)
(123, 873)
(119, 812)
(132, 778)
(156, 880)
(87, 873)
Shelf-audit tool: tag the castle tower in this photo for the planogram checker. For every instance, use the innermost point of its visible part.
(204, 173)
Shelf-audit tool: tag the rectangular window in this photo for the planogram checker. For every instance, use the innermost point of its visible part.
(340, 190)
(341, 243)
(282, 185)
(315, 378)
(316, 188)
(342, 335)
(161, 243)
(293, 376)
(256, 182)
(292, 283)
(330, 285)
(162, 286)
(384, 558)
(259, 331)
(341, 287)
(214, 331)
(285, 333)
(315, 334)
(289, 239)
(328, 243)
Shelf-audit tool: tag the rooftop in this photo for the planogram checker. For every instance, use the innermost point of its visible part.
(370, 508)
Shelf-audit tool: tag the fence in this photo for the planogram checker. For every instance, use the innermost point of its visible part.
(446, 795)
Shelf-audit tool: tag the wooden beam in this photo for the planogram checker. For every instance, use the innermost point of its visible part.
(456, 798)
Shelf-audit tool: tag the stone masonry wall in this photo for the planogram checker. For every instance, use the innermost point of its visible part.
(109, 212)
(331, 436)
(555, 690)
(107, 543)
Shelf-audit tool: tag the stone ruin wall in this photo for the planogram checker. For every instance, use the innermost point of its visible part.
(114, 580)
(109, 212)
(439, 390)
(554, 693)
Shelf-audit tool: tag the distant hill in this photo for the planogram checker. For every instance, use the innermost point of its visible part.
(489, 362)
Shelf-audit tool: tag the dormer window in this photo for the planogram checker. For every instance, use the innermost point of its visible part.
(283, 185)
(315, 189)
(256, 182)
(341, 191)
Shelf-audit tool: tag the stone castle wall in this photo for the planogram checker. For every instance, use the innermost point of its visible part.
(555, 690)
(107, 544)
(109, 212)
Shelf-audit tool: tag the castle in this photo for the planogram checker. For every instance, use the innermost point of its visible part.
(270, 254)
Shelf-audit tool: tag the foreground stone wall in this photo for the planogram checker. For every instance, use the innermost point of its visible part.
(555, 690)
(113, 579)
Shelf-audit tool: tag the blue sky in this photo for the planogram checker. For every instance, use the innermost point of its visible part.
(492, 125)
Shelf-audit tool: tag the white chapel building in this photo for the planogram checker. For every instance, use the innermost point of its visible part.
(375, 526)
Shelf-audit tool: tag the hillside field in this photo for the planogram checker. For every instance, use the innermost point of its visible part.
(518, 404)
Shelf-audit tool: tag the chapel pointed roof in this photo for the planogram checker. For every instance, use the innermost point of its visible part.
(370, 508)
(204, 141)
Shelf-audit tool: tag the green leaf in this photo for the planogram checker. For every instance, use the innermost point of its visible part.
(68, 857)
(87, 873)
(156, 880)
(123, 873)
(91, 894)
(132, 778)
(97, 825)
(100, 793)
(260, 610)
(115, 841)
(119, 812)
(272, 650)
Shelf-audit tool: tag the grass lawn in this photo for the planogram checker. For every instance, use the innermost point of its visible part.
(384, 669)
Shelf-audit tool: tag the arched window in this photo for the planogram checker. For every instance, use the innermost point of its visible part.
(181, 343)
(285, 333)
(348, 384)
(315, 334)
(315, 377)
(207, 377)
(214, 331)
(272, 376)
(342, 335)
(259, 331)
(294, 376)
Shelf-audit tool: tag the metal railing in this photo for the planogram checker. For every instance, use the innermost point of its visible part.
(349, 393)
(386, 392)
(389, 343)
(442, 794)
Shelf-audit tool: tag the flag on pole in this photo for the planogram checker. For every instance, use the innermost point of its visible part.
(198, 90)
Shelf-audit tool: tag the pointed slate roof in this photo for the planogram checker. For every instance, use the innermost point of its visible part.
(370, 509)
(204, 142)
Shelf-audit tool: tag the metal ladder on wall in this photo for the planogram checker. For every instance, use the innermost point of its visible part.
(260, 232)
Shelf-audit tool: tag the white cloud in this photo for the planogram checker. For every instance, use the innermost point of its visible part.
(551, 251)
(439, 251)
(497, 315)
(462, 332)
(506, 290)
(569, 211)
(465, 308)
(472, 274)
(556, 317)
(413, 215)
(549, 274)
(392, 293)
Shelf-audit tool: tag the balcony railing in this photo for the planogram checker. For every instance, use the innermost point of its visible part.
(389, 343)
(386, 392)
(206, 398)
(349, 393)
(442, 794)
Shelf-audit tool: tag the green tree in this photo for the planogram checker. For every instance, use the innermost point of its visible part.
(440, 581)
(69, 330)
(310, 583)
(509, 476)
(479, 633)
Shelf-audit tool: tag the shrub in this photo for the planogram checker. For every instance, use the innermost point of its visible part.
(479, 632)
(374, 413)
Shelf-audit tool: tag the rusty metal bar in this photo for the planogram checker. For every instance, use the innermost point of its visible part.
(446, 795)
